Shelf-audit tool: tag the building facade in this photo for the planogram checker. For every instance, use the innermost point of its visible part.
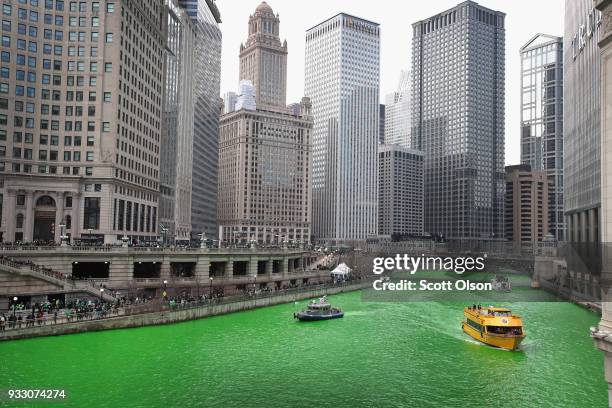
(582, 118)
(601, 334)
(229, 102)
(342, 80)
(400, 191)
(542, 118)
(176, 164)
(81, 100)
(381, 123)
(458, 119)
(206, 88)
(398, 113)
(527, 204)
(265, 150)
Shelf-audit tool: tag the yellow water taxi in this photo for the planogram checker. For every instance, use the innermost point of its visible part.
(495, 326)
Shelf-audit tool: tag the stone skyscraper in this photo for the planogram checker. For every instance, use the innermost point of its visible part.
(342, 80)
(458, 119)
(80, 119)
(400, 191)
(265, 147)
(526, 204)
(206, 84)
(263, 59)
(542, 119)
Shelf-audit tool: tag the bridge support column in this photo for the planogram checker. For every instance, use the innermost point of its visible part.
(121, 269)
(252, 267)
(285, 266)
(164, 272)
(269, 267)
(229, 269)
(202, 269)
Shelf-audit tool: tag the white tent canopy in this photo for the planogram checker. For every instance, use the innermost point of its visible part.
(341, 271)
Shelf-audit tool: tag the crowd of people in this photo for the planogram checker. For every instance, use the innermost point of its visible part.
(20, 263)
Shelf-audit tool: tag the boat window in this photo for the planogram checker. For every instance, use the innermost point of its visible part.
(505, 330)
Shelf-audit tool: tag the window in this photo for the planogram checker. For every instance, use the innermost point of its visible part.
(91, 214)
(107, 96)
(21, 199)
(109, 37)
(89, 156)
(19, 221)
(108, 67)
(110, 7)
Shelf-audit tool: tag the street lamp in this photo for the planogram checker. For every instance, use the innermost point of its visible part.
(101, 294)
(62, 234)
(165, 294)
(14, 305)
(211, 286)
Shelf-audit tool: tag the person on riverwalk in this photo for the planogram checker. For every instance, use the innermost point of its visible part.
(2, 323)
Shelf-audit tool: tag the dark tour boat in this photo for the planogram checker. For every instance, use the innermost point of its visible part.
(318, 310)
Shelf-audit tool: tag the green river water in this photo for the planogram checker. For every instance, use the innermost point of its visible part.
(382, 354)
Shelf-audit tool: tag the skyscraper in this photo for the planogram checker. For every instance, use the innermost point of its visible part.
(581, 121)
(263, 59)
(342, 80)
(526, 207)
(400, 191)
(381, 123)
(265, 149)
(80, 119)
(398, 113)
(176, 162)
(458, 119)
(542, 118)
(206, 83)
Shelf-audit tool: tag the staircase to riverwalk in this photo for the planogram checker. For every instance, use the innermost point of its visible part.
(58, 279)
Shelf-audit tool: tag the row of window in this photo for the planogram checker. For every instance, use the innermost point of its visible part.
(81, 7)
(43, 169)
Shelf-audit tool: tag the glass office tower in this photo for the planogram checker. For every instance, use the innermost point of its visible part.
(542, 119)
(206, 88)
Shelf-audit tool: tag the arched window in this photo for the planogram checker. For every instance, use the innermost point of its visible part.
(45, 201)
(19, 221)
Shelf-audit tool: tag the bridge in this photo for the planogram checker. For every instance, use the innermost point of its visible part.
(36, 272)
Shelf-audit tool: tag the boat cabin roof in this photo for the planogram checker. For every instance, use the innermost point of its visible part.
(497, 309)
(319, 306)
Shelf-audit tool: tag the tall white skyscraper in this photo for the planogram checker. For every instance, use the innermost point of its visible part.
(397, 113)
(342, 80)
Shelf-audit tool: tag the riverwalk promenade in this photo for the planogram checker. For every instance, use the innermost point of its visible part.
(157, 312)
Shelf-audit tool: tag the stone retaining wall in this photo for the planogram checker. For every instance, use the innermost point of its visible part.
(157, 318)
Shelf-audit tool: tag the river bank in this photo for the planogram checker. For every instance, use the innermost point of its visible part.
(178, 315)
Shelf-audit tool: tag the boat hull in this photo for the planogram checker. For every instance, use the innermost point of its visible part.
(305, 317)
(503, 342)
